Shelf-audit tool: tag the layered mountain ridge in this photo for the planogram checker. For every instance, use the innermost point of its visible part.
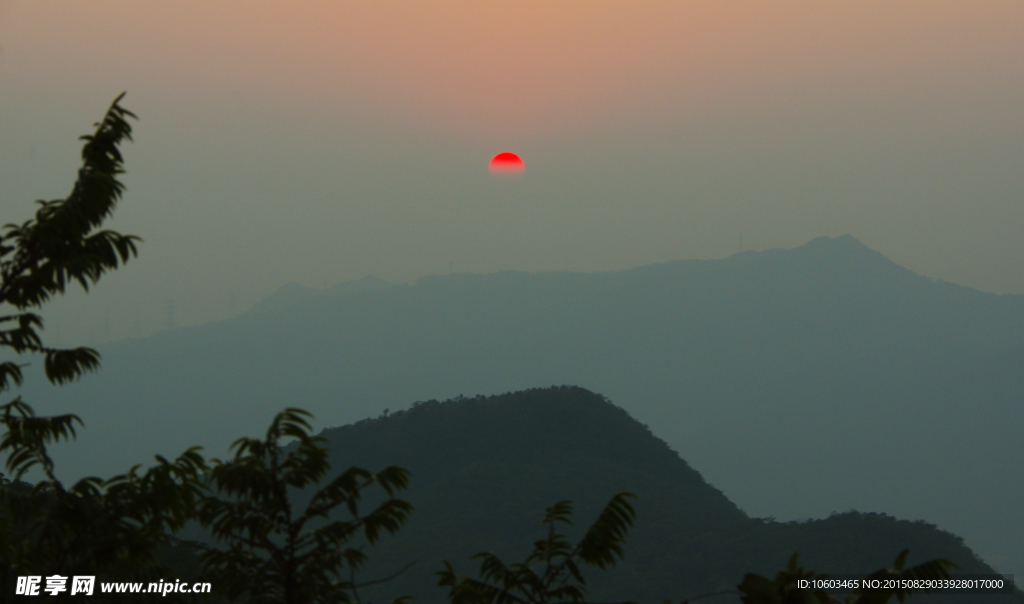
(800, 382)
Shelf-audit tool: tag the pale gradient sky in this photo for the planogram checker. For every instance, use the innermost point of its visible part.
(321, 141)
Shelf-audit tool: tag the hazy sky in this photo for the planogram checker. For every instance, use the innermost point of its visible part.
(321, 141)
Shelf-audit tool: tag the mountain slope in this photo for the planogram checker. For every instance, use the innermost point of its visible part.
(484, 469)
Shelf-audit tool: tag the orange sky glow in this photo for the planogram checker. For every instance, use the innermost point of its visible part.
(537, 67)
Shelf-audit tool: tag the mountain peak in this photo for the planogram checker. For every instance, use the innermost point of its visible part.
(845, 253)
(843, 243)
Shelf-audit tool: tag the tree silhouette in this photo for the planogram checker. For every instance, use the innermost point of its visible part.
(551, 573)
(273, 553)
(117, 525)
(40, 258)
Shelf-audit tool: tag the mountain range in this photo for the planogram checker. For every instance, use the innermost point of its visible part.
(799, 382)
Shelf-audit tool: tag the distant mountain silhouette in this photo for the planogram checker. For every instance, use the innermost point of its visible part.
(292, 293)
(799, 381)
(484, 469)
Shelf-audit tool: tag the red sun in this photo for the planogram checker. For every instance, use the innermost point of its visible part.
(507, 164)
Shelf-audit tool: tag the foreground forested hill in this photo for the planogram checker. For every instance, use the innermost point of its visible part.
(483, 470)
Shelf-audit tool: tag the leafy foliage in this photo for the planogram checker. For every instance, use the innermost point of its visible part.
(271, 556)
(27, 436)
(551, 574)
(116, 526)
(41, 256)
(36, 260)
(113, 528)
